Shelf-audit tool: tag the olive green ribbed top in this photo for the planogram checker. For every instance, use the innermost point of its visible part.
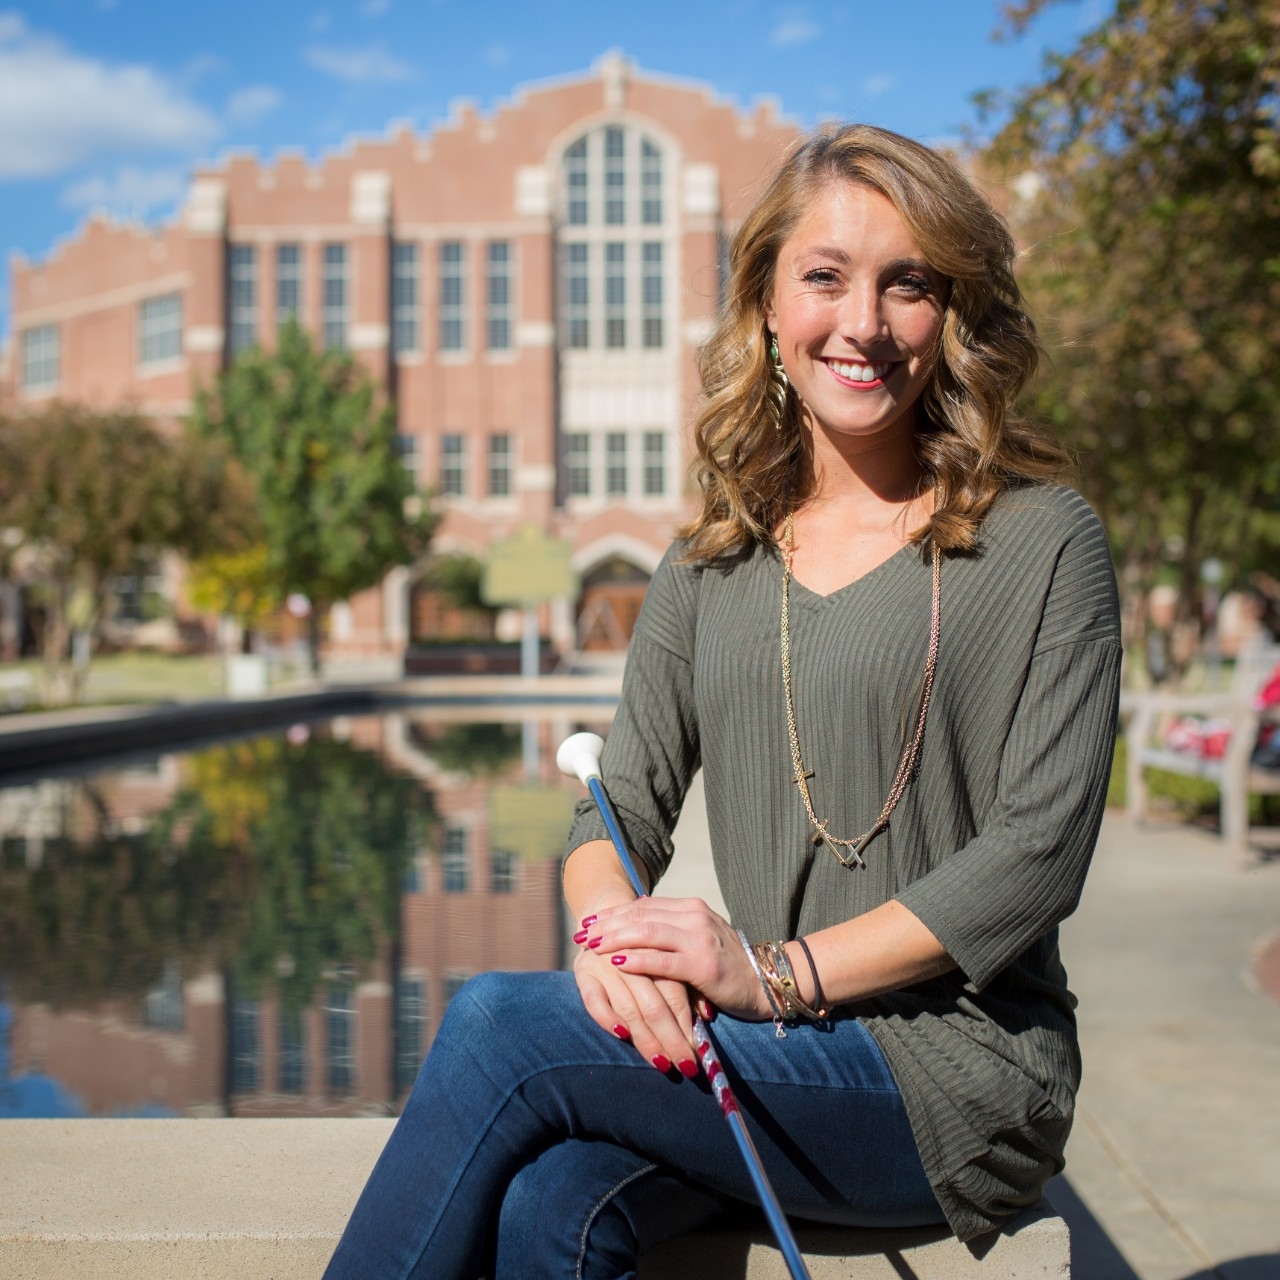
(990, 844)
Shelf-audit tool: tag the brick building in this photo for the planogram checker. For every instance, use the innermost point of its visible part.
(529, 286)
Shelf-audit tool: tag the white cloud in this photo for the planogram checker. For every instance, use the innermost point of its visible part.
(370, 65)
(319, 21)
(874, 86)
(58, 108)
(130, 192)
(375, 8)
(249, 105)
(497, 55)
(795, 27)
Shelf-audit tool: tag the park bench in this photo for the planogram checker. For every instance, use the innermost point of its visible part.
(251, 1199)
(1232, 773)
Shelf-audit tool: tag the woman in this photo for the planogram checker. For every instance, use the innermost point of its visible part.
(892, 647)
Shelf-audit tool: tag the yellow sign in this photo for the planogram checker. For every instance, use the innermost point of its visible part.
(528, 569)
(530, 821)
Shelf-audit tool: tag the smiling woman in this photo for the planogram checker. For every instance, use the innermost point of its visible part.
(893, 651)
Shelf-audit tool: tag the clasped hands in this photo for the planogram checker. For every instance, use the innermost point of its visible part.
(641, 967)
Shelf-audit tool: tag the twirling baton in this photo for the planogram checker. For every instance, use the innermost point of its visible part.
(579, 756)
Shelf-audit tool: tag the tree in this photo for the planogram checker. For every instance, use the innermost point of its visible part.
(1152, 152)
(338, 508)
(92, 493)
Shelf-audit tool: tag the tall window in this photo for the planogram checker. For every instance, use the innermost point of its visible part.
(615, 247)
(288, 284)
(404, 297)
(411, 1017)
(615, 463)
(453, 983)
(452, 296)
(455, 861)
(160, 329)
(340, 1040)
(502, 871)
(40, 358)
(500, 465)
(615, 178)
(498, 309)
(655, 464)
(575, 180)
(452, 466)
(242, 298)
(333, 320)
(615, 295)
(651, 284)
(650, 183)
(577, 463)
(577, 296)
(293, 1051)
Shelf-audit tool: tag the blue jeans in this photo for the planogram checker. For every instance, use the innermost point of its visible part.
(534, 1144)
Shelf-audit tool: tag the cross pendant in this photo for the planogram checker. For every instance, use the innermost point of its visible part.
(803, 783)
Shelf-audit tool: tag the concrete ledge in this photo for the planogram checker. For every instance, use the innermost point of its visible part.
(252, 1199)
(1036, 1243)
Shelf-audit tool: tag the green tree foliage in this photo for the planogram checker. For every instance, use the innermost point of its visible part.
(1149, 166)
(337, 506)
(90, 494)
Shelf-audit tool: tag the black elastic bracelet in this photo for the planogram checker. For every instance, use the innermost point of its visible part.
(818, 1002)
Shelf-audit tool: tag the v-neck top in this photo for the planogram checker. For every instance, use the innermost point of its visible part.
(988, 847)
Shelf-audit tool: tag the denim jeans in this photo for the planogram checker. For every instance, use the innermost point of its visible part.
(535, 1145)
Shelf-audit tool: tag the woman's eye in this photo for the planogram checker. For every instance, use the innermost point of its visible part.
(918, 285)
(821, 276)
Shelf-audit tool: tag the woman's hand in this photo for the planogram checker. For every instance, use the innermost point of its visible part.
(681, 940)
(655, 1016)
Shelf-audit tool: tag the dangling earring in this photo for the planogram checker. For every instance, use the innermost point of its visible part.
(778, 384)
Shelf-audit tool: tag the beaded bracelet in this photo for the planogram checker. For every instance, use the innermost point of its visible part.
(769, 995)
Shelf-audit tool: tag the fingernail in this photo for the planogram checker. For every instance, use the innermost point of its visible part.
(662, 1062)
(618, 959)
(588, 921)
(621, 1032)
(594, 943)
(580, 937)
(688, 1068)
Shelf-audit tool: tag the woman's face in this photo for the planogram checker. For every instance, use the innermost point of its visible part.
(856, 311)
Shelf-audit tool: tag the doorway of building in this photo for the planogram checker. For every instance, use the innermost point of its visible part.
(611, 596)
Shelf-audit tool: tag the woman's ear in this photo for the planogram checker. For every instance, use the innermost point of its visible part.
(770, 319)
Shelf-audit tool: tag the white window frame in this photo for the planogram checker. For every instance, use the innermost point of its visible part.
(499, 320)
(451, 311)
(616, 444)
(41, 358)
(453, 465)
(406, 290)
(500, 464)
(577, 464)
(334, 296)
(242, 298)
(653, 468)
(160, 332)
(289, 282)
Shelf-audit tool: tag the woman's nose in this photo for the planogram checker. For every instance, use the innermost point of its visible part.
(862, 318)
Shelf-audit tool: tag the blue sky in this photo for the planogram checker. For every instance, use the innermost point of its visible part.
(109, 103)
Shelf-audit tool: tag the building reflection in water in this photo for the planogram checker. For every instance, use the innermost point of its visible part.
(274, 926)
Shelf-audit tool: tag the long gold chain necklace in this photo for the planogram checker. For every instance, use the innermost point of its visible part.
(910, 761)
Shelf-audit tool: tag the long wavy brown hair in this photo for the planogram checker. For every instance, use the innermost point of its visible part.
(972, 445)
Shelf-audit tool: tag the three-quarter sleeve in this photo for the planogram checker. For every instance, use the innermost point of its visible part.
(1024, 871)
(652, 749)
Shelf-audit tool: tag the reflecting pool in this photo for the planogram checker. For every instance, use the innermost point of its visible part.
(271, 926)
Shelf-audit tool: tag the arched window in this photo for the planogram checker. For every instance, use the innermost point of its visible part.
(615, 255)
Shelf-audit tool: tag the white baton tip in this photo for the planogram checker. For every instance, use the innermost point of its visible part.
(579, 756)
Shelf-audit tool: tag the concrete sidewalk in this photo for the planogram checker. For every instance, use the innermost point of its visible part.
(1173, 1169)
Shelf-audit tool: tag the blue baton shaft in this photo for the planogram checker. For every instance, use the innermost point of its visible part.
(580, 756)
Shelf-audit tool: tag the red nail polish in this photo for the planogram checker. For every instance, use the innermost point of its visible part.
(618, 959)
(588, 921)
(580, 937)
(621, 1032)
(594, 943)
(688, 1068)
(662, 1062)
